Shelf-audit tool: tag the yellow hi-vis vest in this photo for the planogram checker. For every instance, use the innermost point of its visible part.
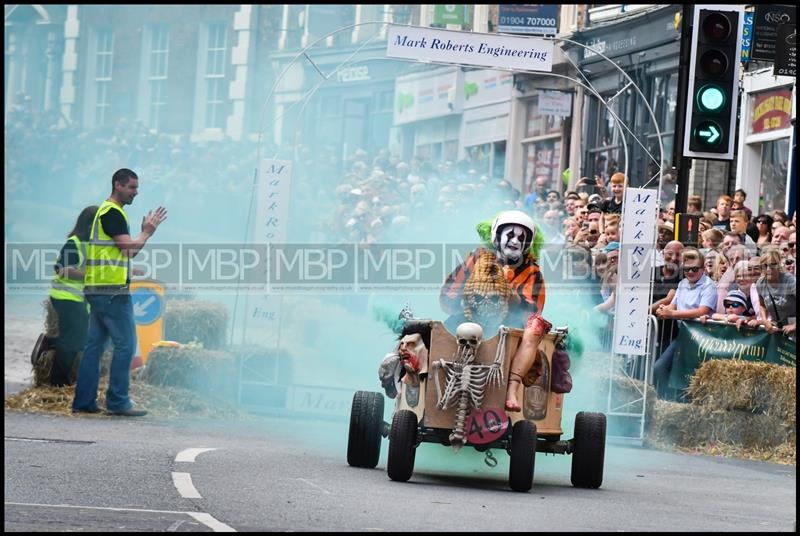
(69, 289)
(106, 266)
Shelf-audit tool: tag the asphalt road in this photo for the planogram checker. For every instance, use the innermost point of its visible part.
(283, 474)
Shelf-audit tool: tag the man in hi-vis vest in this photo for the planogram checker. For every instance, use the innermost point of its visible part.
(106, 287)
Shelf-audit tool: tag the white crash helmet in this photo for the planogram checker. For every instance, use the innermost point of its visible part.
(513, 217)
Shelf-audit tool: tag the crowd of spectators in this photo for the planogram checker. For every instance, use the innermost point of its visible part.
(746, 256)
(60, 167)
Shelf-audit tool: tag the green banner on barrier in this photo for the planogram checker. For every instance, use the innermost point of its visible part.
(698, 343)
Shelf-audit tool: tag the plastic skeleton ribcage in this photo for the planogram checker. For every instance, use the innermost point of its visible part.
(465, 382)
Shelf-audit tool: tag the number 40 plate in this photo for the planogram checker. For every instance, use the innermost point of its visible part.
(486, 425)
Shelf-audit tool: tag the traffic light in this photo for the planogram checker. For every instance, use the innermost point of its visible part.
(712, 96)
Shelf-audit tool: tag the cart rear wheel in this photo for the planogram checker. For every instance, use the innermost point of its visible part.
(402, 445)
(366, 420)
(523, 456)
(589, 450)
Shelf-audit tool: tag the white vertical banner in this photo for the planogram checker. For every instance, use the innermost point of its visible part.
(272, 201)
(270, 227)
(640, 213)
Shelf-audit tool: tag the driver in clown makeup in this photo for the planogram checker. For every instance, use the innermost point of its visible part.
(510, 236)
(511, 240)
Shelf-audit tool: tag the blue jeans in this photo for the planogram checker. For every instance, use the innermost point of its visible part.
(111, 316)
(662, 369)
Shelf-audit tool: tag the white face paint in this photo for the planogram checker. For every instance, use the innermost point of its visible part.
(512, 242)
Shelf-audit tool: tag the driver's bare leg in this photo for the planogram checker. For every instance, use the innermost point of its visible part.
(536, 328)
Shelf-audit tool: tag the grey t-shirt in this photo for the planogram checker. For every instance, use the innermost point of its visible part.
(784, 296)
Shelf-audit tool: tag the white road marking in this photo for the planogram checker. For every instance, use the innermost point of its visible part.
(189, 455)
(314, 485)
(183, 481)
(209, 521)
(206, 519)
(174, 527)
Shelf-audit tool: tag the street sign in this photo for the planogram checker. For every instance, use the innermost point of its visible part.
(147, 305)
(450, 14)
(786, 51)
(147, 297)
(747, 35)
(765, 28)
(530, 19)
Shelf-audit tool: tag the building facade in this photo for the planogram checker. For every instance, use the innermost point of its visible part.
(765, 152)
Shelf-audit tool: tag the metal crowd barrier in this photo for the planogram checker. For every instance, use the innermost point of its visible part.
(628, 381)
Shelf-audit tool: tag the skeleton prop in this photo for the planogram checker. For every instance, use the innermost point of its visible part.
(465, 382)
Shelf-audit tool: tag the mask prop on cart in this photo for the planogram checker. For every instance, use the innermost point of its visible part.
(465, 382)
(413, 358)
(487, 293)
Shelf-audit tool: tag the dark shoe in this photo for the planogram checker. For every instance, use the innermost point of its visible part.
(87, 410)
(130, 412)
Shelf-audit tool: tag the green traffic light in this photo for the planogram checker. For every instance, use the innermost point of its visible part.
(708, 133)
(711, 98)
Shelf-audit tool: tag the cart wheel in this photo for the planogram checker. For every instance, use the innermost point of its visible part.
(589, 450)
(523, 456)
(366, 420)
(402, 445)
(41, 346)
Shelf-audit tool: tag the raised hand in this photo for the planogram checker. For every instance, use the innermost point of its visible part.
(153, 219)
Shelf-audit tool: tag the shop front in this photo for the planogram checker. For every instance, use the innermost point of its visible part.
(765, 138)
(646, 45)
(487, 101)
(427, 114)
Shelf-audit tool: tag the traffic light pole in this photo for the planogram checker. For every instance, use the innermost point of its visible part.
(682, 163)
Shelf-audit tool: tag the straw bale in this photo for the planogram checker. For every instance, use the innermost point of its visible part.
(746, 386)
(190, 320)
(210, 372)
(159, 401)
(690, 425)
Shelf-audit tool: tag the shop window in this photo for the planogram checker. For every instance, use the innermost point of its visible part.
(331, 105)
(540, 125)
(542, 158)
(774, 166)
(104, 59)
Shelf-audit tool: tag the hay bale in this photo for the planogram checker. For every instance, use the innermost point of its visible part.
(747, 386)
(210, 372)
(690, 425)
(159, 401)
(189, 320)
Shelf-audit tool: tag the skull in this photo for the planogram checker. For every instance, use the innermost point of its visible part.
(469, 334)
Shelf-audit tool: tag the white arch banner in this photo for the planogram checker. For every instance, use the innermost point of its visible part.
(469, 48)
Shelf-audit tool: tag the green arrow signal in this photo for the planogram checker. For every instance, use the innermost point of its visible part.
(712, 134)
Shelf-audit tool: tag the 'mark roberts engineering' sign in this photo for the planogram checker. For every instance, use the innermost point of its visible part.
(467, 48)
